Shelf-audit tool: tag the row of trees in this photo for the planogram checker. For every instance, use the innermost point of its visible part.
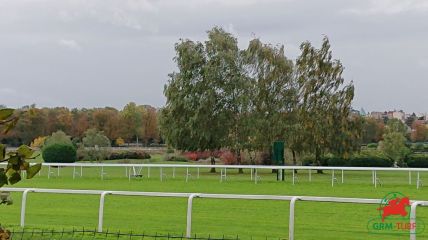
(374, 129)
(132, 124)
(225, 97)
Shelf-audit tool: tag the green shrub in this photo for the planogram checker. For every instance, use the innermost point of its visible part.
(418, 161)
(308, 160)
(418, 147)
(170, 150)
(370, 161)
(129, 154)
(336, 161)
(358, 161)
(93, 154)
(58, 137)
(372, 145)
(59, 153)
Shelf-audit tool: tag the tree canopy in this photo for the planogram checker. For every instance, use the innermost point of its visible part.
(224, 97)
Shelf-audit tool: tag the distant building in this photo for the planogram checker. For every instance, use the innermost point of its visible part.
(377, 115)
(400, 115)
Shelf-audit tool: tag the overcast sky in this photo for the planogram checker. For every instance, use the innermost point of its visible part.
(96, 53)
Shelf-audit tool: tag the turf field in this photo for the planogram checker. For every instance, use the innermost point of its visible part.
(246, 218)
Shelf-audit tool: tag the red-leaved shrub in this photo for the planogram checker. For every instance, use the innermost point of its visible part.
(191, 155)
(228, 158)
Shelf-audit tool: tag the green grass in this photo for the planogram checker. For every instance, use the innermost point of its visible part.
(246, 218)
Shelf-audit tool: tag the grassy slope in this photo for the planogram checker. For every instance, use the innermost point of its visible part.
(258, 219)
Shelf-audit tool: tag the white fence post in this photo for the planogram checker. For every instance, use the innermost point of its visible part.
(101, 210)
(418, 182)
(23, 205)
(291, 220)
(375, 179)
(255, 176)
(413, 220)
(293, 175)
(189, 214)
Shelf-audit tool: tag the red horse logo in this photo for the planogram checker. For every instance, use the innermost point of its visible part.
(395, 206)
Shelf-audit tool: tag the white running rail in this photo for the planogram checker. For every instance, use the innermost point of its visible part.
(191, 196)
(375, 180)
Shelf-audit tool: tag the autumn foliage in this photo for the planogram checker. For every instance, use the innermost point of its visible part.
(115, 124)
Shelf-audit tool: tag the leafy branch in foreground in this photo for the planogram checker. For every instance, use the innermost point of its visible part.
(16, 160)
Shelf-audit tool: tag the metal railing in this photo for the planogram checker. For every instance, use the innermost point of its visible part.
(191, 196)
(79, 167)
(91, 234)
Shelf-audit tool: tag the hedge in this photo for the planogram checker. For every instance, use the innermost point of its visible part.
(129, 154)
(370, 161)
(418, 161)
(356, 161)
(59, 153)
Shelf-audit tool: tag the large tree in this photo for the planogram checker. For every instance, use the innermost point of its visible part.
(325, 101)
(131, 118)
(395, 125)
(373, 130)
(107, 120)
(202, 96)
(150, 121)
(419, 132)
(275, 93)
(394, 147)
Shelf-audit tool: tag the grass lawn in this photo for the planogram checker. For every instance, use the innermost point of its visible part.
(246, 218)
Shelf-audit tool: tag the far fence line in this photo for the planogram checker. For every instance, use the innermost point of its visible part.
(136, 170)
(191, 196)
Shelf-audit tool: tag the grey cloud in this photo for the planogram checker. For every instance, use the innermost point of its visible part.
(82, 53)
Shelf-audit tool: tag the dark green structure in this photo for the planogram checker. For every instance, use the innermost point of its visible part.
(278, 158)
(278, 152)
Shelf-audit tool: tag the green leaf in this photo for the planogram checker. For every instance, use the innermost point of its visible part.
(25, 151)
(14, 178)
(14, 160)
(5, 113)
(10, 172)
(10, 125)
(3, 178)
(33, 170)
(2, 151)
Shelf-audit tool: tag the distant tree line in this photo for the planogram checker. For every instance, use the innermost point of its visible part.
(414, 129)
(132, 124)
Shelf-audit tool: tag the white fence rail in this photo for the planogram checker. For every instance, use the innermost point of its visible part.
(191, 196)
(79, 167)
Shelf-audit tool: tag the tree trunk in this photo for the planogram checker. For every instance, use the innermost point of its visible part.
(212, 162)
(238, 160)
(294, 159)
(318, 160)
